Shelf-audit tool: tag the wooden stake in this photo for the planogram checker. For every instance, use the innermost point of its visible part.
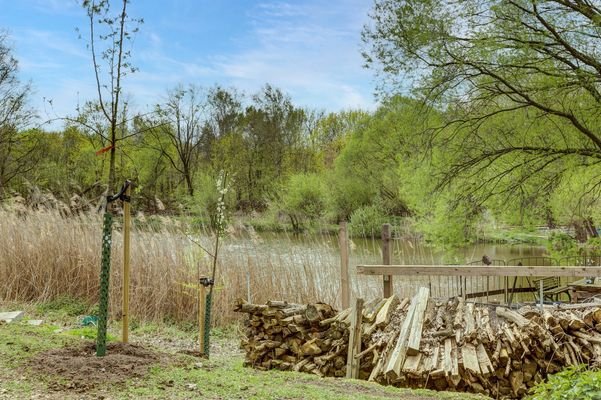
(386, 256)
(201, 317)
(126, 236)
(344, 261)
(354, 344)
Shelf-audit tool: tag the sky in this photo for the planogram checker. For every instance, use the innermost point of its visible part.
(311, 49)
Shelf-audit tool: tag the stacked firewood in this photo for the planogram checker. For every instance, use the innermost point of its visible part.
(423, 342)
(286, 336)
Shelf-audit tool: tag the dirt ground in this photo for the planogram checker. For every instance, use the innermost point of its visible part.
(79, 369)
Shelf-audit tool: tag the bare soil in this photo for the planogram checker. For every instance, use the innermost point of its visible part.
(78, 369)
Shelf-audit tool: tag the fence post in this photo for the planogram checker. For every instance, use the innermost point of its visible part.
(354, 345)
(386, 256)
(344, 261)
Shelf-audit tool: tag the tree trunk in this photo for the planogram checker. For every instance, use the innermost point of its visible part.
(188, 177)
(590, 227)
(580, 231)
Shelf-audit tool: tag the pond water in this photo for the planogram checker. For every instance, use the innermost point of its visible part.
(404, 251)
(306, 267)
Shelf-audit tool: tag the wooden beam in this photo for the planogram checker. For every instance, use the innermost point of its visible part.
(417, 326)
(471, 270)
(386, 259)
(470, 358)
(397, 358)
(354, 344)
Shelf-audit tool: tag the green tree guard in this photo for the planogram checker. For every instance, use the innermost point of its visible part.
(207, 333)
(104, 285)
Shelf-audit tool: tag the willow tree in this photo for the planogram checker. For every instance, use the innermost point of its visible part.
(529, 63)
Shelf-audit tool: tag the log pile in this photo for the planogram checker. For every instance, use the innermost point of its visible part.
(306, 338)
(448, 344)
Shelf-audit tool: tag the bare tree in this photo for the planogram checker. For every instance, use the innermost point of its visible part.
(107, 38)
(16, 146)
(178, 131)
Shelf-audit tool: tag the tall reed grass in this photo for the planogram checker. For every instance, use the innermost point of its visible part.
(44, 256)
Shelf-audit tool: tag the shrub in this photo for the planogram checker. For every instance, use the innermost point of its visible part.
(571, 383)
(304, 199)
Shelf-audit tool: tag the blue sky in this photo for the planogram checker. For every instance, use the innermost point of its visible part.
(310, 49)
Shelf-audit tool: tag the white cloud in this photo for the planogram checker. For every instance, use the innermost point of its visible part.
(310, 51)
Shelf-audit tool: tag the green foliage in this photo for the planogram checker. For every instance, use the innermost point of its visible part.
(304, 199)
(572, 383)
(562, 245)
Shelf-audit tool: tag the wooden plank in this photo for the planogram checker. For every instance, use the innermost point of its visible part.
(418, 321)
(354, 346)
(471, 270)
(470, 358)
(344, 263)
(397, 357)
(458, 320)
(432, 363)
(447, 363)
(411, 364)
(470, 323)
(455, 377)
(484, 360)
(386, 257)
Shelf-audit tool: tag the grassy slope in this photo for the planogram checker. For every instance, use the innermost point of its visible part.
(222, 377)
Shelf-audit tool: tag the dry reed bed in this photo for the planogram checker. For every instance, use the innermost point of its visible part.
(44, 256)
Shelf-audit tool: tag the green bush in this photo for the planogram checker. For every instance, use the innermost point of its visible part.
(563, 245)
(348, 195)
(573, 383)
(304, 199)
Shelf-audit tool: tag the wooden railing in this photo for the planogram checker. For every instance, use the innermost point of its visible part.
(471, 270)
(463, 271)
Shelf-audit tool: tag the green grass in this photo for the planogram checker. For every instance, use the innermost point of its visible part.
(221, 377)
(229, 379)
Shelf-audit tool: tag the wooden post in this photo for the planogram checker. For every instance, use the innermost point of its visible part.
(202, 293)
(344, 258)
(354, 344)
(386, 256)
(126, 236)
